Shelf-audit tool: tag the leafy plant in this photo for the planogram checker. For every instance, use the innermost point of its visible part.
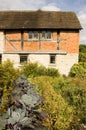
(82, 57)
(7, 75)
(52, 72)
(54, 104)
(33, 70)
(82, 48)
(74, 93)
(78, 70)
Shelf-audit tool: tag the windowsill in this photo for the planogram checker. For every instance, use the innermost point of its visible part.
(59, 52)
(52, 65)
(31, 40)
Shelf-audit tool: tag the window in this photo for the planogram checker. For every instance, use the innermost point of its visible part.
(43, 34)
(30, 35)
(52, 59)
(46, 35)
(23, 58)
(33, 35)
(0, 58)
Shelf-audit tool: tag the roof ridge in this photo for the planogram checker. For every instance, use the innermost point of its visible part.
(39, 10)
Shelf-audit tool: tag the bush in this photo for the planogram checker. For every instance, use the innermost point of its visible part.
(82, 48)
(74, 93)
(7, 75)
(29, 69)
(82, 57)
(52, 72)
(54, 104)
(33, 70)
(78, 70)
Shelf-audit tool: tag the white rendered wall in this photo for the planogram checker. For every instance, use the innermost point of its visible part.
(12, 57)
(1, 42)
(63, 62)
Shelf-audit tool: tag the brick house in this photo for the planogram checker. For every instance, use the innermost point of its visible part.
(50, 38)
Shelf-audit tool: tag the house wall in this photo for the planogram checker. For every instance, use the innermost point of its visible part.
(63, 62)
(70, 41)
(1, 41)
(17, 42)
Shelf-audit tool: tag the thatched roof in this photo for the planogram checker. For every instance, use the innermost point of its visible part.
(38, 20)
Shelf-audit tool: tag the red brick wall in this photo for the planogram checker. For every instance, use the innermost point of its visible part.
(14, 38)
(70, 42)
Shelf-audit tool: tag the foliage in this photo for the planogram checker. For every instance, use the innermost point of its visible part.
(78, 70)
(65, 97)
(82, 48)
(33, 70)
(82, 53)
(7, 75)
(82, 57)
(29, 69)
(74, 93)
(52, 72)
(54, 104)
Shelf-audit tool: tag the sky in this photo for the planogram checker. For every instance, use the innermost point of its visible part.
(78, 6)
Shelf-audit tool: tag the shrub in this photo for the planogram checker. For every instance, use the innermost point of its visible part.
(74, 93)
(57, 109)
(33, 70)
(78, 70)
(7, 75)
(82, 48)
(41, 70)
(82, 57)
(52, 72)
(29, 69)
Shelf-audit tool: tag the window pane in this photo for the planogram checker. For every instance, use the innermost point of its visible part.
(48, 35)
(43, 34)
(0, 59)
(30, 35)
(52, 59)
(23, 58)
(35, 34)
